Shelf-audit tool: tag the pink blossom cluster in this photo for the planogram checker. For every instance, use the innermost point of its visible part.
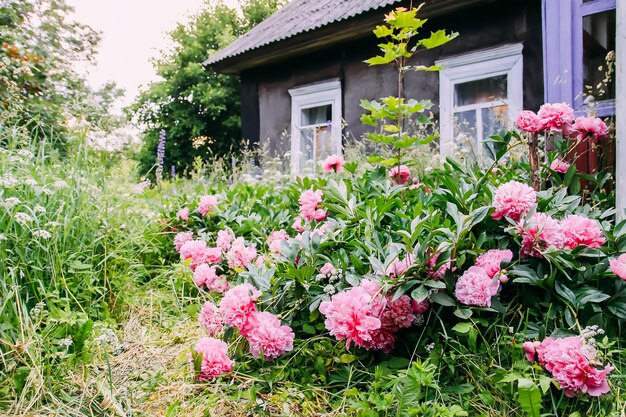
(482, 281)
(224, 240)
(438, 273)
(181, 238)
(263, 330)
(572, 363)
(334, 163)
(400, 174)
(513, 200)
(309, 205)
(211, 319)
(276, 239)
(541, 232)
(183, 214)
(399, 267)
(363, 316)
(559, 117)
(239, 255)
(215, 360)
(207, 205)
(560, 166)
(328, 269)
(206, 276)
(491, 260)
(197, 252)
(618, 266)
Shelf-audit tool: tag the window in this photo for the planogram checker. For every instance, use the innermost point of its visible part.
(315, 125)
(578, 36)
(479, 94)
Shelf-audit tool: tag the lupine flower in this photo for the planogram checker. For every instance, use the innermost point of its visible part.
(268, 336)
(237, 306)
(490, 261)
(181, 238)
(160, 156)
(400, 174)
(333, 163)
(211, 319)
(618, 266)
(557, 117)
(539, 233)
(513, 200)
(309, 203)
(183, 214)
(275, 240)
(328, 269)
(529, 122)
(559, 166)
(581, 231)
(569, 361)
(476, 288)
(591, 128)
(215, 360)
(207, 205)
(224, 240)
(240, 255)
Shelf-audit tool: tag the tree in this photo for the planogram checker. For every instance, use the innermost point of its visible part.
(198, 108)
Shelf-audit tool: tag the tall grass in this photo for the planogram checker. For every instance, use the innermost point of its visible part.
(73, 241)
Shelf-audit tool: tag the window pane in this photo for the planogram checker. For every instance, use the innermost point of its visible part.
(598, 41)
(465, 130)
(494, 120)
(316, 115)
(315, 145)
(481, 91)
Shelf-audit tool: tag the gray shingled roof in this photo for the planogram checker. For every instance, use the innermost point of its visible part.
(296, 17)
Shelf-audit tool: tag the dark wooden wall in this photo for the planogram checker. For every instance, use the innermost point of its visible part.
(497, 23)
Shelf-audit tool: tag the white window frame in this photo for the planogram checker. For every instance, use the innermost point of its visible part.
(474, 66)
(315, 95)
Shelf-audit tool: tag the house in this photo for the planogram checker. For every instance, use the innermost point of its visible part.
(302, 69)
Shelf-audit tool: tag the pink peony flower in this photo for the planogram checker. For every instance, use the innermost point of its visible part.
(559, 166)
(275, 240)
(319, 215)
(569, 361)
(224, 239)
(213, 255)
(490, 261)
(297, 225)
(208, 204)
(399, 267)
(351, 315)
(529, 122)
(207, 275)
(513, 200)
(557, 117)
(268, 336)
(260, 260)
(215, 360)
(581, 231)
(618, 266)
(240, 255)
(211, 319)
(539, 233)
(398, 314)
(400, 174)
(438, 273)
(181, 238)
(591, 128)
(183, 214)
(194, 251)
(309, 203)
(333, 163)
(238, 304)
(328, 269)
(421, 307)
(476, 288)
(415, 184)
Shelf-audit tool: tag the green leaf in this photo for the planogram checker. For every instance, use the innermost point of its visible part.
(529, 397)
(347, 358)
(463, 327)
(419, 294)
(382, 31)
(442, 299)
(437, 39)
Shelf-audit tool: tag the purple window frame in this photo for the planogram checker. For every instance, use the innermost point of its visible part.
(563, 48)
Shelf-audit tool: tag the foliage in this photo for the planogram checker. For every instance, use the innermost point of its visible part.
(197, 107)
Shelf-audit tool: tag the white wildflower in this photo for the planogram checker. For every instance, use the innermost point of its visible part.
(8, 181)
(44, 234)
(25, 153)
(139, 188)
(11, 202)
(39, 209)
(3, 237)
(67, 342)
(329, 289)
(59, 184)
(46, 191)
(22, 218)
(53, 224)
(30, 182)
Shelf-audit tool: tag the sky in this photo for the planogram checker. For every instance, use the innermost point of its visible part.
(133, 31)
